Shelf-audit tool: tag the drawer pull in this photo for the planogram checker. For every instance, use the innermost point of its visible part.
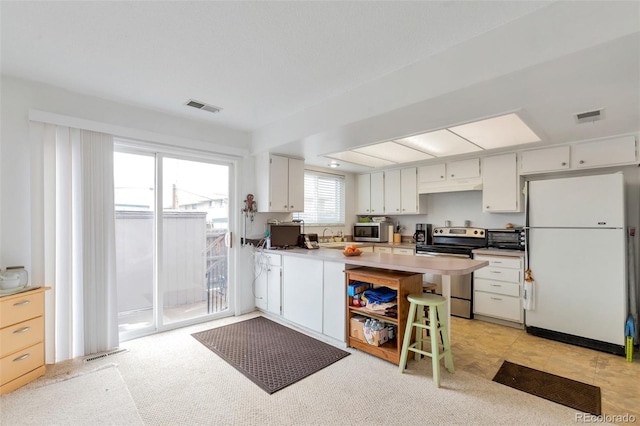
(496, 272)
(22, 330)
(22, 358)
(495, 285)
(496, 298)
(496, 261)
(24, 302)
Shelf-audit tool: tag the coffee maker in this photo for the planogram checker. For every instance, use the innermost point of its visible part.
(423, 234)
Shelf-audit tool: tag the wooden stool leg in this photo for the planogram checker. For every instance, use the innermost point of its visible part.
(435, 357)
(448, 358)
(407, 337)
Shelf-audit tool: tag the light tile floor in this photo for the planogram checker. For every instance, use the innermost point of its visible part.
(480, 348)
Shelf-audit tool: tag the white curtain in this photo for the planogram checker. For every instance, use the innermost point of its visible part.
(73, 238)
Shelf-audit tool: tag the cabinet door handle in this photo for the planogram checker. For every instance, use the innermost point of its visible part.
(441, 177)
(24, 302)
(563, 163)
(290, 206)
(22, 330)
(581, 161)
(495, 298)
(487, 207)
(452, 175)
(21, 358)
(285, 206)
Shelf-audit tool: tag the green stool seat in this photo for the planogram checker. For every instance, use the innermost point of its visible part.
(437, 310)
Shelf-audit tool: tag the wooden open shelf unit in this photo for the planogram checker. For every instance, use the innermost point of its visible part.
(404, 283)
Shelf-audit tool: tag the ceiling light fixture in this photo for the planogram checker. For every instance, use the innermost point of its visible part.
(334, 164)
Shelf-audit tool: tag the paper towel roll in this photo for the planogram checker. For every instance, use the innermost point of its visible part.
(528, 296)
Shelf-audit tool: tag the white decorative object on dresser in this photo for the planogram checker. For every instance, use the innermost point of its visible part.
(21, 339)
(498, 289)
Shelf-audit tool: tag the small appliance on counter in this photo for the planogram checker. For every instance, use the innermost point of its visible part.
(284, 235)
(507, 239)
(371, 232)
(423, 234)
(309, 241)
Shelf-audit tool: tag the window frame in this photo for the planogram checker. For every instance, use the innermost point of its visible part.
(341, 202)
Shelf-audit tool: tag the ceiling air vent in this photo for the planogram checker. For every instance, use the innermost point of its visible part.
(203, 106)
(589, 116)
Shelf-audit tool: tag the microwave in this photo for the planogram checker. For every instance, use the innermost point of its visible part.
(376, 232)
(510, 239)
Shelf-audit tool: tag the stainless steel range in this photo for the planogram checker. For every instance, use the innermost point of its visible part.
(455, 242)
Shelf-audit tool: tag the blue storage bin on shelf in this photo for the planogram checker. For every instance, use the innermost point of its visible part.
(357, 288)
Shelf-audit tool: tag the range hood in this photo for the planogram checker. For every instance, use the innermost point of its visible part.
(450, 186)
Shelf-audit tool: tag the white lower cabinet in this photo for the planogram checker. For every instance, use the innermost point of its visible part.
(268, 283)
(394, 250)
(302, 291)
(498, 288)
(334, 301)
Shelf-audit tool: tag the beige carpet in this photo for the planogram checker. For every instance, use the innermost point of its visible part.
(175, 380)
(98, 397)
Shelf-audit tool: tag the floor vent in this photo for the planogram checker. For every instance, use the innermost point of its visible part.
(105, 354)
(589, 116)
(203, 106)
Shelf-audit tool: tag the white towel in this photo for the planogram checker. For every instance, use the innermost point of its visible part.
(528, 296)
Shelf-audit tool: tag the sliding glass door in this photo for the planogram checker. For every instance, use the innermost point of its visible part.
(172, 224)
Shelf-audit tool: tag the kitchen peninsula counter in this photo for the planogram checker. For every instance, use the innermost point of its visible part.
(420, 264)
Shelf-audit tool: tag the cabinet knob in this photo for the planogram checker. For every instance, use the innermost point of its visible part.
(581, 161)
(285, 206)
(563, 163)
(452, 175)
(487, 207)
(441, 177)
(397, 210)
(290, 206)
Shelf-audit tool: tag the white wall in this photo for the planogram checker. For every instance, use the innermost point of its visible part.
(18, 97)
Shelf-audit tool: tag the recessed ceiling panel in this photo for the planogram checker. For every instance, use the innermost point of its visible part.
(439, 143)
(497, 132)
(394, 152)
(361, 159)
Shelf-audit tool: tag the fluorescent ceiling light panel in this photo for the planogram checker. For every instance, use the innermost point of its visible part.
(361, 159)
(439, 143)
(497, 132)
(394, 152)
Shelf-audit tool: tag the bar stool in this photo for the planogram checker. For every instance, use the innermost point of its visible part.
(437, 309)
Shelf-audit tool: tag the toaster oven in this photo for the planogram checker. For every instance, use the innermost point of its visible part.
(510, 239)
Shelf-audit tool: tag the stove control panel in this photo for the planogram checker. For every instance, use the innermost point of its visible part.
(460, 232)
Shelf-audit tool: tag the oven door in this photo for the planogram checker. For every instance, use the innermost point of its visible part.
(461, 287)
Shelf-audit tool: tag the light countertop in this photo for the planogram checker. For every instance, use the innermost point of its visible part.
(397, 262)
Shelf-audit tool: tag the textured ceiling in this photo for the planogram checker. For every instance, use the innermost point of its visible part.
(311, 78)
(260, 61)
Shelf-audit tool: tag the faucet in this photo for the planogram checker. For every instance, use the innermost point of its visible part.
(325, 230)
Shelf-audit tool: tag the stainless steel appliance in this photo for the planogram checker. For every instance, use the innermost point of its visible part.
(455, 242)
(376, 232)
(423, 234)
(510, 239)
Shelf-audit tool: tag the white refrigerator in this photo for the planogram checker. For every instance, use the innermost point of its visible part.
(577, 255)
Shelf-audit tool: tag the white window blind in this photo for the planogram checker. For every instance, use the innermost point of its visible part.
(323, 199)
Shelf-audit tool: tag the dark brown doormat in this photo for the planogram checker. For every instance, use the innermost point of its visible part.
(574, 394)
(269, 354)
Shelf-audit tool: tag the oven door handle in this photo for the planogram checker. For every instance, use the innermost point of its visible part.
(431, 254)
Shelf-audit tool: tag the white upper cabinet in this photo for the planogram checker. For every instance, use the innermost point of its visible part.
(610, 152)
(409, 201)
(280, 183)
(370, 193)
(500, 184)
(462, 175)
(544, 160)
(463, 169)
(392, 192)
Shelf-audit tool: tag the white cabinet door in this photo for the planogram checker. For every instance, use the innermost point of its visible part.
(334, 301)
(364, 193)
(382, 249)
(544, 160)
(608, 152)
(500, 184)
(278, 183)
(296, 185)
(274, 288)
(464, 169)
(377, 193)
(432, 173)
(392, 192)
(404, 251)
(260, 285)
(409, 190)
(302, 292)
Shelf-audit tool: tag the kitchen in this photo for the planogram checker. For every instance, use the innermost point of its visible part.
(547, 84)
